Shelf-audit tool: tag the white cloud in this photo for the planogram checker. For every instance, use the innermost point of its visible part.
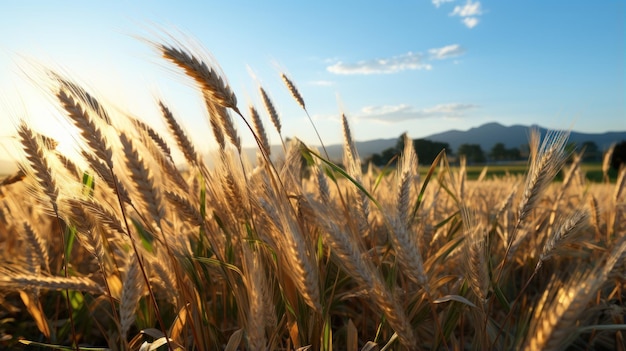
(409, 61)
(438, 3)
(446, 52)
(403, 112)
(469, 13)
(470, 9)
(470, 22)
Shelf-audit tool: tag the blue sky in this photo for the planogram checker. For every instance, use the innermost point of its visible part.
(417, 66)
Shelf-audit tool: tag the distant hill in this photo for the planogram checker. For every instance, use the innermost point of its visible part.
(486, 136)
(489, 134)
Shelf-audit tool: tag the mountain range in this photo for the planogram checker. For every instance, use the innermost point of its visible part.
(486, 135)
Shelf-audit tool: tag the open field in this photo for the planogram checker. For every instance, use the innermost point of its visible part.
(592, 171)
(119, 248)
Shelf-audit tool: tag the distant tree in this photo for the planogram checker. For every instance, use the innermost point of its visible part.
(384, 157)
(472, 152)
(571, 147)
(524, 150)
(591, 151)
(513, 154)
(427, 150)
(400, 142)
(498, 152)
(619, 155)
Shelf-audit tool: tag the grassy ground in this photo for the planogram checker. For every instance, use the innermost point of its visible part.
(592, 171)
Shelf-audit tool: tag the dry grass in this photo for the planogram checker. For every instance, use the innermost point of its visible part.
(297, 252)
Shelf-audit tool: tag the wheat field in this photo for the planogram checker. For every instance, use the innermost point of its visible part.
(124, 249)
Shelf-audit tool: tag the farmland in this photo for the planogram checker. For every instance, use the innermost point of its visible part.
(120, 248)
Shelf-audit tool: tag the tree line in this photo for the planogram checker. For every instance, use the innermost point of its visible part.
(427, 150)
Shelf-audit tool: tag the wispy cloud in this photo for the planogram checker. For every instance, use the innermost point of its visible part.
(407, 62)
(438, 3)
(446, 52)
(469, 13)
(403, 112)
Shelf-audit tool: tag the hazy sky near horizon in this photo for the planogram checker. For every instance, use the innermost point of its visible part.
(418, 66)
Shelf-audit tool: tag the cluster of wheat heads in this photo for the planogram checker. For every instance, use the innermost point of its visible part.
(124, 249)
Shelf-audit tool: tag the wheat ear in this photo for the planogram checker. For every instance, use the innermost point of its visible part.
(69, 165)
(606, 162)
(573, 224)
(350, 257)
(293, 90)
(271, 111)
(218, 116)
(143, 179)
(131, 294)
(620, 184)
(546, 163)
(409, 256)
(13, 178)
(103, 215)
(102, 170)
(90, 132)
(260, 130)
(476, 259)
(258, 292)
(184, 143)
(39, 248)
(91, 240)
(205, 76)
(184, 207)
(38, 163)
(22, 281)
(353, 167)
(155, 137)
(81, 94)
(293, 248)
